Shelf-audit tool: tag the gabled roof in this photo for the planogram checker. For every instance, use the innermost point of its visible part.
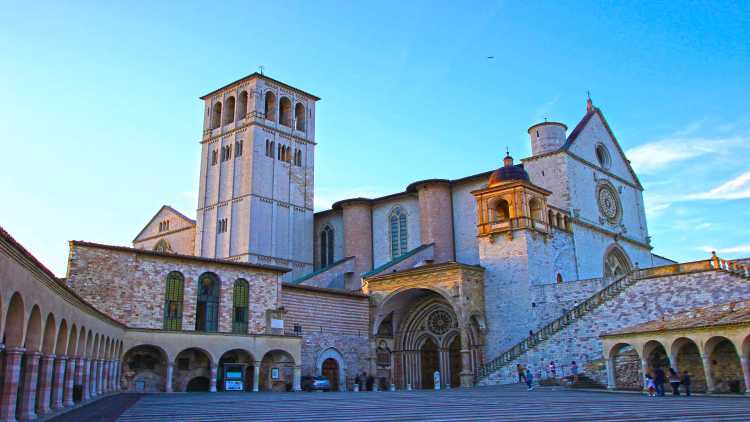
(165, 208)
(260, 75)
(591, 111)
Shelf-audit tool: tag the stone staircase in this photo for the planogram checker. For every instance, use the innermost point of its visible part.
(583, 382)
(602, 296)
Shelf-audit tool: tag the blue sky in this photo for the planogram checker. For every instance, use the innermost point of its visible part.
(100, 117)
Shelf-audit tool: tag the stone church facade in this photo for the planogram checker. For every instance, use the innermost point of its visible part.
(464, 277)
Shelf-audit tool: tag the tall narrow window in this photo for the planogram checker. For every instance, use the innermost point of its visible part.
(270, 109)
(240, 303)
(207, 307)
(214, 154)
(237, 148)
(285, 112)
(398, 233)
(216, 116)
(229, 111)
(326, 247)
(299, 116)
(242, 106)
(173, 301)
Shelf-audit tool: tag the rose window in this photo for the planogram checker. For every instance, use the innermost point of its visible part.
(440, 322)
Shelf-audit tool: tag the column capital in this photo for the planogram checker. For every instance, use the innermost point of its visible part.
(61, 358)
(48, 357)
(34, 354)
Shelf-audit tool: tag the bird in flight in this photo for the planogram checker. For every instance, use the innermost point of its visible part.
(490, 57)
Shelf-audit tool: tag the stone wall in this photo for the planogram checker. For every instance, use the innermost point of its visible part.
(647, 300)
(129, 285)
(329, 319)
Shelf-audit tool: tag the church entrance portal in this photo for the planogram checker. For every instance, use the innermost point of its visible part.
(331, 371)
(430, 362)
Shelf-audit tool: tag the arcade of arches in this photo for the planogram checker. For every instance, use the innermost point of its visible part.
(711, 344)
(421, 318)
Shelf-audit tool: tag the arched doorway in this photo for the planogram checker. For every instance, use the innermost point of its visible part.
(276, 371)
(240, 359)
(190, 364)
(330, 370)
(144, 369)
(429, 362)
(198, 384)
(628, 372)
(688, 358)
(726, 370)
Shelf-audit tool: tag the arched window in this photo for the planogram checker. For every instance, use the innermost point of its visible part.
(602, 155)
(229, 111)
(207, 309)
(551, 218)
(239, 303)
(326, 247)
(216, 115)
(242, 109)
(559, 278)
(270, 110)
(285, 112)
(397, 220)
(173, 301)
(299, 116)
(535, 207)
(616, 263)
(502, 211)
(162, 246)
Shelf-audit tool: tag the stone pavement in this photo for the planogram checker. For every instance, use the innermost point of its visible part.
(507, 403)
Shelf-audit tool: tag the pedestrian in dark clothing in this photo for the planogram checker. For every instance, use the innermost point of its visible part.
(521, 373)
(674, 381)
(370, 382)
(659, 379)
(686, 382)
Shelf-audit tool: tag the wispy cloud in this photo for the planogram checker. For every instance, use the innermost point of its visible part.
(658, 155)
(737, 188)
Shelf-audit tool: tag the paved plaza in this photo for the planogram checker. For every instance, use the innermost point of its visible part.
(508, 403)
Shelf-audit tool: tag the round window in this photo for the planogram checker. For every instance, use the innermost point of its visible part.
(609, 203)
(602, 154)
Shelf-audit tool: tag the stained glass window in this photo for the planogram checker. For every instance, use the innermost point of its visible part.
(173, 301)
(398, 231)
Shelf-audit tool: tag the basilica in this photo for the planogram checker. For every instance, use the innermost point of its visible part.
(449, 283)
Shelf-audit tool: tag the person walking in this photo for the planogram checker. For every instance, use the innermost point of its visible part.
(674, 381)
(659, 379)
(529, 379)
(650, 386)
(552, 369)
(574, 371)
(521, 373)
(686, 382)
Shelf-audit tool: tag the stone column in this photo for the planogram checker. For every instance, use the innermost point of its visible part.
(79, 371)
(644, 369)
(105, 377)
(746, 373)
(92, 377)
(296, 382)
(86, 378)
(256, 377)
(467, 375)
(29, 378)
(57, 382)
(11, 376)
(214, 371)
(100, 377)
(168, 379)
(611, 380)
(707, 370)
(70, 371)
(44, 389)
(118, 384)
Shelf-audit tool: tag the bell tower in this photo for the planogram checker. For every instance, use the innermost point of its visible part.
(255, 201)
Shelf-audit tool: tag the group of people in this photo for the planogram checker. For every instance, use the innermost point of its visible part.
(364, 381)
(655, 383)
(525, 375)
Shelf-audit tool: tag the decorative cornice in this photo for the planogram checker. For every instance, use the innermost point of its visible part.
(162, 234)
(608, 173)
(263, 198)
(617, 236)
(253, 122)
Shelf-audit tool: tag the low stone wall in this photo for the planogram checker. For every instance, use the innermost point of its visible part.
(647, 300)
